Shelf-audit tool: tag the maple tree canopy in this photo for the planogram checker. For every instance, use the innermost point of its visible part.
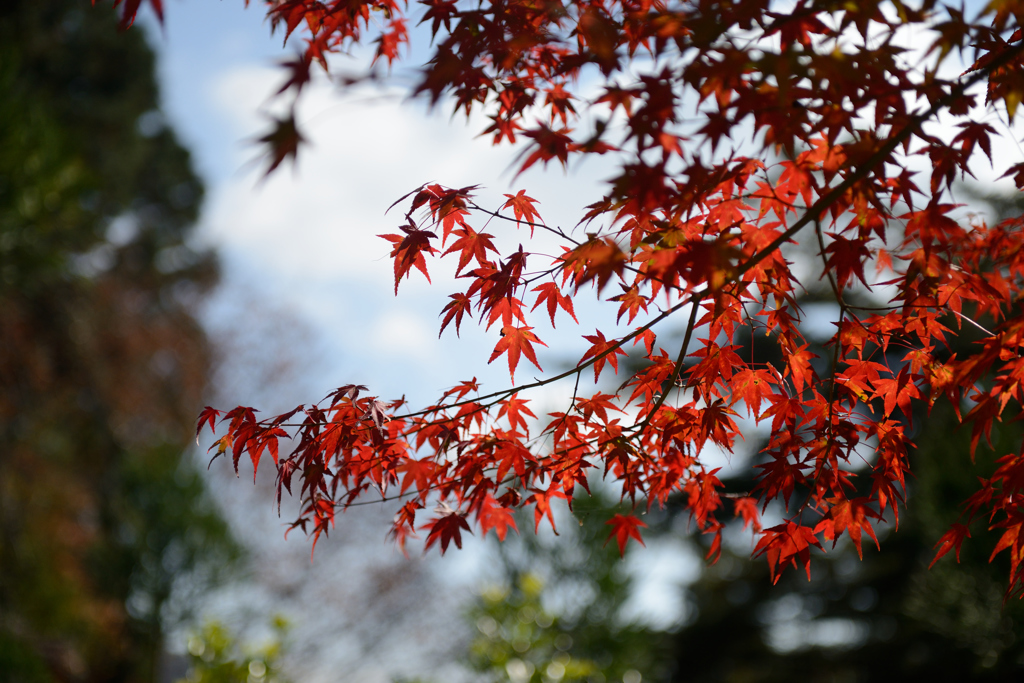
(741, 132)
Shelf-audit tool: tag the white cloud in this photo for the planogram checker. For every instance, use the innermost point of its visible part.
(322, 218)
(367, 149)
(401, 332)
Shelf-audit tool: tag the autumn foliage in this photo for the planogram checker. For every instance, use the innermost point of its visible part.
(747, 136)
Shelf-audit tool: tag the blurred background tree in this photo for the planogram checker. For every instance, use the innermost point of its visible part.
(106, 531)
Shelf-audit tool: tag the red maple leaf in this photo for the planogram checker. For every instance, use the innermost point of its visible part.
(459, 307)
(602, 351)
(787, 544)
(541, 501)
(625, 527)
(847, 257)
(496, 517)
(746, 508)
(446, 528)
(550, 293)
(282, 141)
(850, 516)
(469, 245)
(951, 540)
(516, 341)
(515, 409)
(523, 208)
(208, 416)
(408, 251)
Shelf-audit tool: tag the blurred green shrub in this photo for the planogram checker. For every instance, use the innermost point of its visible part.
(215, 656)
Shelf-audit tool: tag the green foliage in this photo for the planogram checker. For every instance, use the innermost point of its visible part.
(520, 641)
(215, 656)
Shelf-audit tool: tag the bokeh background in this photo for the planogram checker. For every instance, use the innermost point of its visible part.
(147, 269)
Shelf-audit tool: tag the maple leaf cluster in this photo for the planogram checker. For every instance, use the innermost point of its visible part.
(742, 136)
